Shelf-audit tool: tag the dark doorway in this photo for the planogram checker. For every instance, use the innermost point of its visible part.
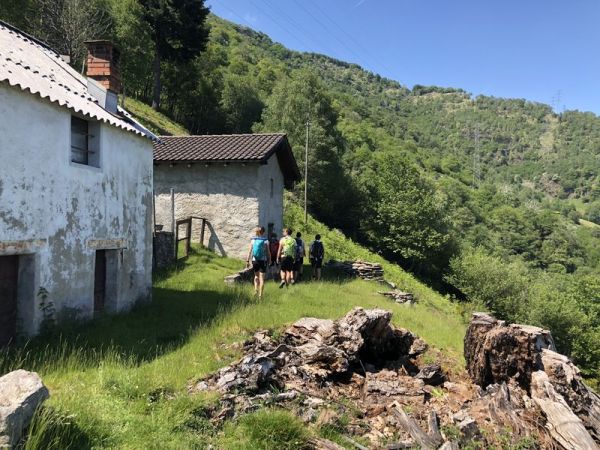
(100, 282)
(9, 280)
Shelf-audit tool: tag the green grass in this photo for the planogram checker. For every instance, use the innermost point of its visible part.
(122, 381)
(588, 224)
(153, 120)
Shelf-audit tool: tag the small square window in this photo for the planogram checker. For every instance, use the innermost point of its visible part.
(79, 141)
(84, 142)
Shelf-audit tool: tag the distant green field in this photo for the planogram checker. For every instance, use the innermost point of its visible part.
(587, 223)
(121, 381)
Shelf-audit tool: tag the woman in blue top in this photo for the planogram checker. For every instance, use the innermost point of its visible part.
(260, 256)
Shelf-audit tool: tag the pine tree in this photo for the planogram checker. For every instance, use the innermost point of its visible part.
(178, 31)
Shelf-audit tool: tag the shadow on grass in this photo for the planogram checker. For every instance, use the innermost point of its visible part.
(143, 334)
(52, 430)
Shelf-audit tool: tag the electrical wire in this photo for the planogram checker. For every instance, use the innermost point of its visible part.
(326, 29)
(367, 52)
(294, 24)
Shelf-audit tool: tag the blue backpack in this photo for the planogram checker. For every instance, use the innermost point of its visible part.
(259, 250)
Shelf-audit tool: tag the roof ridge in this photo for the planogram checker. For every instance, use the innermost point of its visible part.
(29, 36)
(221, 135)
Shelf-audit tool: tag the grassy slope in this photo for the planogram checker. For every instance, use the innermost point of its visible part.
(121, 382)
(155, 121)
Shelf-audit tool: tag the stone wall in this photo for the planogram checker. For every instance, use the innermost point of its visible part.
(235, 198)
(55, 214)
(164, 251)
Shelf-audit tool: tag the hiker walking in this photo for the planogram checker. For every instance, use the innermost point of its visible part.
(273, 249)
(260, 257)
(299, 258)
(316, 255)
(285, 257)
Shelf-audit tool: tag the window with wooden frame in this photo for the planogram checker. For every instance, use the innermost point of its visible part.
(85, 142)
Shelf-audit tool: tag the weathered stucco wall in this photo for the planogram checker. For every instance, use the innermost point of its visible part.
(60, 213)
(234, 198)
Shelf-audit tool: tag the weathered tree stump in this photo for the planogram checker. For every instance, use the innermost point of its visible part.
(525, 355)
(496, 352)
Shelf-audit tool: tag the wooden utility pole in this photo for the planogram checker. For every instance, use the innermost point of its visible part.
(306, 171)
(173, 225)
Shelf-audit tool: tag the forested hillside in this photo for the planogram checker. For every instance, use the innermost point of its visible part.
(494, 200)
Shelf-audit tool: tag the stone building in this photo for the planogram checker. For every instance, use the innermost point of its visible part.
(75, 189)
(236, 182)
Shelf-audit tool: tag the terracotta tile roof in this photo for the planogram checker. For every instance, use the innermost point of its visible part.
(225, 148)
(32, 66)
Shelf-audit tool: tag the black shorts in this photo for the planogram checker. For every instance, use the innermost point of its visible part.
(287, 264)
(259, 266)
(316, 263)
(298, 264)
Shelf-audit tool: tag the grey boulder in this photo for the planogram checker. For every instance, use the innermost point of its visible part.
(21, 392)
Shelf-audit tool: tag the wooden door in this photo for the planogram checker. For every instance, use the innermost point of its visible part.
(100, 281)
(9, 276)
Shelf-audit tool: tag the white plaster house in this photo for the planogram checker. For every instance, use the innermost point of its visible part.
(236, 182)
(75, 189)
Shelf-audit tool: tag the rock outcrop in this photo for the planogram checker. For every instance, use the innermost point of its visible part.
(21, 393)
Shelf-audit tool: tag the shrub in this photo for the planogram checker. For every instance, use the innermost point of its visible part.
(502, 287)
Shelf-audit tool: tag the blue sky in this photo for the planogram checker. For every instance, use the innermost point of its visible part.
(541, 50)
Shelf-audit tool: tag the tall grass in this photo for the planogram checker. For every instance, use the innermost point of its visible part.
(122, 381)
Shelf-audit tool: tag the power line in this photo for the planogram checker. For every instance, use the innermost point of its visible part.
(266, 14)
(477, 158)
(243, 19)
(294, 24)
(276, 22)
(367, 52)
(326, 28)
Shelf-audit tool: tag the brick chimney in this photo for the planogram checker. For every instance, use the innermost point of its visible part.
(103, 64)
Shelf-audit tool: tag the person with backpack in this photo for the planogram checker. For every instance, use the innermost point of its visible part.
(299, 258)
(316, 255)
(273, 248)
(285, 257)
(261, 258)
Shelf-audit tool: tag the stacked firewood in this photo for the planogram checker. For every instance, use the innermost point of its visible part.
(399, 296)
(361, 269)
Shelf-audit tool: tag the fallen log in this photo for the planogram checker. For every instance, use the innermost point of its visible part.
(324, 444)
(564, 426)
(566, 380)
(427, 441)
